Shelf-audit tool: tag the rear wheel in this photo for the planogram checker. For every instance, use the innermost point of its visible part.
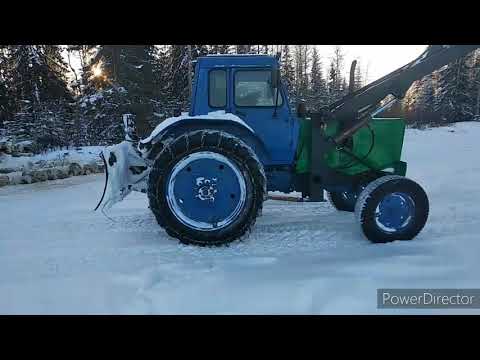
(206, 188)
(392, 208)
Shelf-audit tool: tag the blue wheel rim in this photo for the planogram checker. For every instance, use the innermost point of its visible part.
(206, 191)
(395, 212)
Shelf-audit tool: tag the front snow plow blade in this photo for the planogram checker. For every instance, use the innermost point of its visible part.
(106, 180)
(125, 171)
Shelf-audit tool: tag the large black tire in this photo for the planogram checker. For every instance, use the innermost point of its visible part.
(342, 201)
(203, 142)
(405, 213)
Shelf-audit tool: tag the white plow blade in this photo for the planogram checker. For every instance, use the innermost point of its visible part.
(126, 171)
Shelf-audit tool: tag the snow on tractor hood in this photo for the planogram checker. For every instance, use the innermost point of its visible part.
(215, 115)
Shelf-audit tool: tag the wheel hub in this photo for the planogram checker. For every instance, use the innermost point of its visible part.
(207, 188)
(395, 212)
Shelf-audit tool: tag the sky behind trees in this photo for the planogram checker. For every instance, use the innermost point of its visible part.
(380, 59)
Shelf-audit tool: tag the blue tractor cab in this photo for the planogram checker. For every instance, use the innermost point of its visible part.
(249, 87)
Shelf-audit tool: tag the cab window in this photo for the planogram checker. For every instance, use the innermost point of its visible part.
(217, 89)
(253, 88)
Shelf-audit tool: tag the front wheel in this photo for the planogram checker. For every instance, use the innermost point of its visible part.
(392, 208)
(206, 188)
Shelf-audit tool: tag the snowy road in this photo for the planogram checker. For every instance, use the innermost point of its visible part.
(59, 257)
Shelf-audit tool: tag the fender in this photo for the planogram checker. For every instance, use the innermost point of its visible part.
(151, 146)
(127, 166)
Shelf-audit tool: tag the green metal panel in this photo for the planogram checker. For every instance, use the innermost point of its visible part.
(304, 147)
(379, 144)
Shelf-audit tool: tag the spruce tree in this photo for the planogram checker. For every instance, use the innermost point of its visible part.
(455, 101)
(426, 100)
(317, 89)
(358, 77)
(37, 73)
(475, 84)
(224, 49)
(288, 71)
(5, 104)
(336, 82)
(301, 68)
(243, 49)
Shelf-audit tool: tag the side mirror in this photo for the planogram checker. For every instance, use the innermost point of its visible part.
(301, 110)
(275, 78)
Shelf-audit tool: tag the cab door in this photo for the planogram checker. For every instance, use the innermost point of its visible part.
(253, 99)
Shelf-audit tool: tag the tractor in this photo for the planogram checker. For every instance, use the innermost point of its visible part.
(207, 172)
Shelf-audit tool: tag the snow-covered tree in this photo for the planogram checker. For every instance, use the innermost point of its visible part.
(243, 49)
(288, 70)
(336, 81)
(224, 49)
(36, 73)
(318, 93)
(5, 103)
(475, 83)
(128, 66)
(301, 71)
(358, 78)
(455, 98)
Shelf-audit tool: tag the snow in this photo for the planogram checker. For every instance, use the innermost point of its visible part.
(215, 115)
(82, 155)
(57, 256)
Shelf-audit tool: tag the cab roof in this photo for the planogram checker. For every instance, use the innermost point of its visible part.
(223, 60)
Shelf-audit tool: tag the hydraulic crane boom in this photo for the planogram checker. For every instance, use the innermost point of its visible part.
(355, 110)
(363, 101)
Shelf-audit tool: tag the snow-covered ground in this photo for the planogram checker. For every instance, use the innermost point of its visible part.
(58, 256)
(82, 155)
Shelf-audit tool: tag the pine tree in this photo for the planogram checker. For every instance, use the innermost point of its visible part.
(454, 100)
(224, 49)
(76, 83)
(475, 83)
(128, 66)
(426, 100)
(301, 68)
(317, 89)
(358, 78)
(160, 73)
(199, 50)
(37, 73)
(219, 49)
(5, 104)
(243, 49)
(288, 71)
(336, 83)
(214, 49)
(177, 72)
